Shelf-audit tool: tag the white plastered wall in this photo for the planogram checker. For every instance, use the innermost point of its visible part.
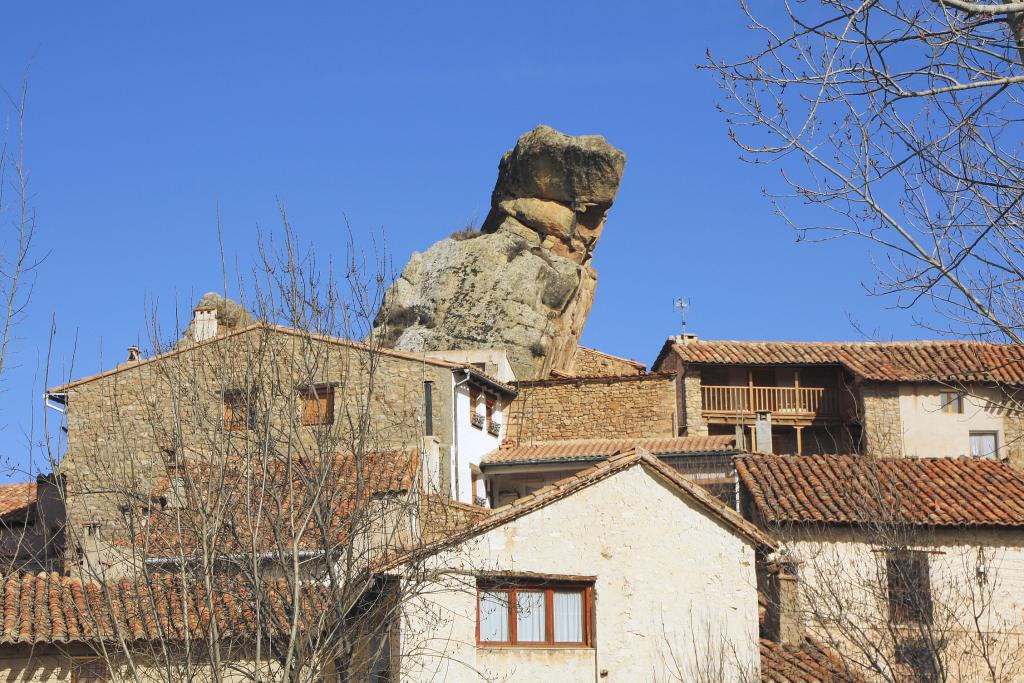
(844, 599)
(472, 443)
(928, 432)
(670, 581)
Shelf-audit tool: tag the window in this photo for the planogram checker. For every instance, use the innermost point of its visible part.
(951, 402)
(983, 444)
(318, 405)
(237, 410)
(910, 594)
(918, 660)
(89, 671)
(534, 613)
(476, 418)
(493, 426)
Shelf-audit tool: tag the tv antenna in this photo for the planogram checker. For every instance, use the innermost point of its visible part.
(682, 305)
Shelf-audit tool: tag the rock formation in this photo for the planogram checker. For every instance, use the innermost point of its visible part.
(231, 316)
(524, 282)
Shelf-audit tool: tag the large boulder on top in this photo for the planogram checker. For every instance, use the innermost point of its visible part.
(524, 282)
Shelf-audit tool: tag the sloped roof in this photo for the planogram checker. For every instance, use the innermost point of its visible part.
(424, 358)
(564, 488)
(941, 361)
(246, 505)
(808, 662)
(577, 450)
(845, 489)
(49, 608)
(14, 497)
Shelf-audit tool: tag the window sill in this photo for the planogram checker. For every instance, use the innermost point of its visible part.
(531, 648)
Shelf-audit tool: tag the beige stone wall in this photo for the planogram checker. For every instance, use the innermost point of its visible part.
(593, 363)
(880, 415)
(654, 596)
(847, 568)
(118, 424)
(620, 407)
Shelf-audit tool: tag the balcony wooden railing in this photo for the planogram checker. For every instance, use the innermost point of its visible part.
(803, 402)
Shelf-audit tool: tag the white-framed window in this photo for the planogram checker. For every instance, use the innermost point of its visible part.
(984, 444)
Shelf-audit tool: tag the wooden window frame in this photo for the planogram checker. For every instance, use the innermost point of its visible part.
(321, 395)
(951, 402)
(78, 662)
(916, 607)
(512, 587)
(237, 400)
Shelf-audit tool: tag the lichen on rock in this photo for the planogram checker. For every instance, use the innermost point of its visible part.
(526, 283)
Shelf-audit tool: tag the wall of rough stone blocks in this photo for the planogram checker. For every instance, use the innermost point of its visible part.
(119, 424)
(591, 363)
(880, 417)
(587, 408)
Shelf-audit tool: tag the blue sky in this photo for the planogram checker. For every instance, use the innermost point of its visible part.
(144, 119)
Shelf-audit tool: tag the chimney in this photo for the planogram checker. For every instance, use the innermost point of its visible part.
(783, 621)
(204, 324)
(134, 354)
(763, 432)
(430, 465)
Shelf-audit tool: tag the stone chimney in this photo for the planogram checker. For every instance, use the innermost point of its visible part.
(134, 354)
(783, 621)
(763, 432)
(205, 323)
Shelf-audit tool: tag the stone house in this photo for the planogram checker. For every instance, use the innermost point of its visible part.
(919, 399)
(261, 387)
(32, 526)
(570, 583)
(909, 570)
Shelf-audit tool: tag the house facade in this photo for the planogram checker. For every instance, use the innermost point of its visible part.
(919, 399)
(263, 387)
(570, 583)
(910, 570)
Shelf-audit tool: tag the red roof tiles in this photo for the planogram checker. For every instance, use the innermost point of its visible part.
(15, 497)
(48, 608)
(251, 505)
(596, 449)
(942, 361)
(809, 662)
(844, 489)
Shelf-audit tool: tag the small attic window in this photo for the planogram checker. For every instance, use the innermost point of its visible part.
(237, 410)
(318, 405)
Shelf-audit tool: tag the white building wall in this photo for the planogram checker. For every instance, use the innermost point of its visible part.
(844, 598)
(930, 433)
(472, 443)
(670, 582)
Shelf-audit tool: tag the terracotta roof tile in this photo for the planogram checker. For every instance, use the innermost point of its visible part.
(942, 361)
(15, 497)
(257, 506)
(845, 489)
(809, 662)
(595, 449)
(566, 487)
(48, 608)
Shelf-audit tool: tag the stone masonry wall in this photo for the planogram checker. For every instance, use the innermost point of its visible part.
(880, 417)
(693, 404)
(589, 408)
(120, 424)
(592, 363)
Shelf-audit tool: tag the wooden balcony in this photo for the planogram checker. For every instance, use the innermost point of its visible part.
(788, 405)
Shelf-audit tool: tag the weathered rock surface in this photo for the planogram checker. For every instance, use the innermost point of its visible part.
(525, 282)
(231, 316)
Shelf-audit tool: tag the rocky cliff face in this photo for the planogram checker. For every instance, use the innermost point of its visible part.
(524, 282)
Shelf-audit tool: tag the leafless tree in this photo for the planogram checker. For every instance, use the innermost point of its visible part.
(897, 600)
(895, 121)
(257, 478)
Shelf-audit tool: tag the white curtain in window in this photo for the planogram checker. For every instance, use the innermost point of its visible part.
(983, 444)
(530, 617)
(568, 617)
(494, 616)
